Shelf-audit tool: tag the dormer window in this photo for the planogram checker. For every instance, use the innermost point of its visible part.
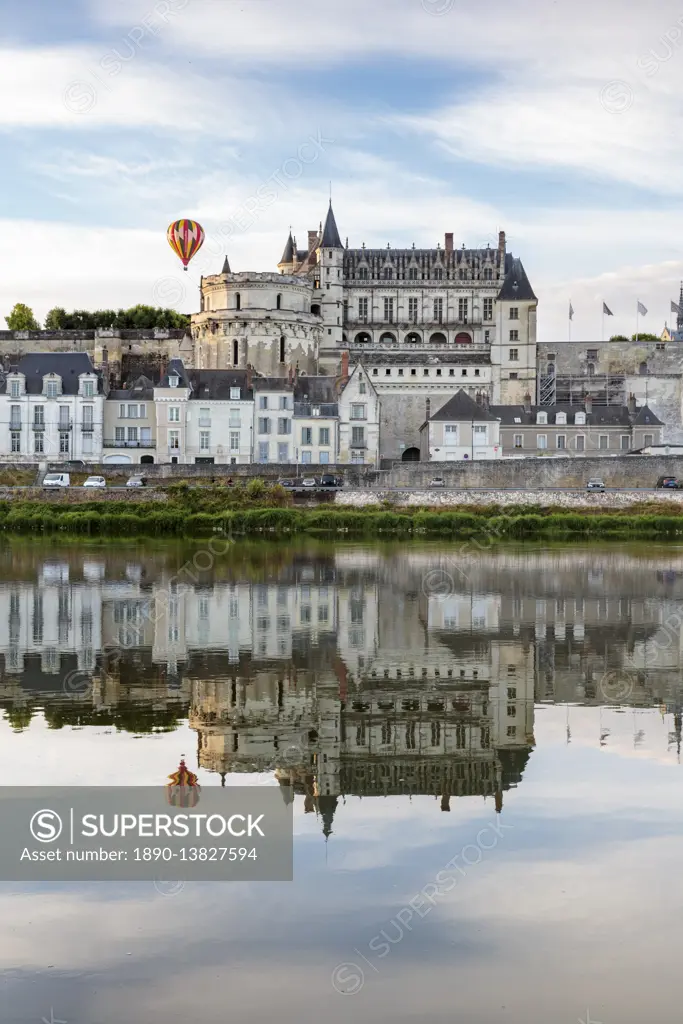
(15, 387)
(173, 381)
(52, 387)
(88, 389)
(542, 417)
(561, 418)
(388, 274)
(363, 274)
(412, 274)
(235, 394)
(580, 418)
(488, 273)
(315, 411)
(438, 274)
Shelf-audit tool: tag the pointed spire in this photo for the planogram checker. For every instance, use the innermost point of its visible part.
(226, 266)
(288, 254)
(330, 234)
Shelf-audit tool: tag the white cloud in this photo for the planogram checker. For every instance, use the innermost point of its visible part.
(68, 88)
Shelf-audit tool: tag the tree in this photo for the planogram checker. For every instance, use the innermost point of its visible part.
(56, 319)
(22, 319)
(645, 337)
(619, 337)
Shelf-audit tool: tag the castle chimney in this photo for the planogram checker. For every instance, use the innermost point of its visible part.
(312, 239)
(501, 241)
(448, 246)
(478, 397)
(290, 374)
(446, 802)
(527, 403)
(345, 367)
(589, 404)
(632, 404)
(250, 375)
(428, 410)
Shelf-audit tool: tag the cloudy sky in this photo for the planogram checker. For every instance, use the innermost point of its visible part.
(559, 123)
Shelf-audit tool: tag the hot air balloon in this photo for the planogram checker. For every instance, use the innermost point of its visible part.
(185, 238)
(183, 790)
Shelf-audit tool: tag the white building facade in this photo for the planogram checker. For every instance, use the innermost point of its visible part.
(52, 409)
(359, 420)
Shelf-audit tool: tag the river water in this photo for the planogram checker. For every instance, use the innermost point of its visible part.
(482, 751)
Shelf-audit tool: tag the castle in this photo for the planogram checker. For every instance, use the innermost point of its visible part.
(423, 322)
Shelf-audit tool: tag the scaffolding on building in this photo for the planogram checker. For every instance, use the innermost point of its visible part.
(572, 389)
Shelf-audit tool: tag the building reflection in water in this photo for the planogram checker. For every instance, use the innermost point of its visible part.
(339, 672)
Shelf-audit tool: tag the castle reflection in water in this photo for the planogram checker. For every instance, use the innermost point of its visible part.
(344, 671)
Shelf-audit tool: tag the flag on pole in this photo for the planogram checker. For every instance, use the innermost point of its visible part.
(676, 308)
(606, 311)
(641, 309)
(571, 311)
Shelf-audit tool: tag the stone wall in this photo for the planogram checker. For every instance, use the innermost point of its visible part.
(622, 471)
(78, 495)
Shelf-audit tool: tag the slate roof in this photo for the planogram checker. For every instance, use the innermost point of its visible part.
(271, 384)
(226, 266)
(516, 284)
(215, 385)
(175, 367)
(331, 239)
(316, 390)
(461, 407)
(288, 254)
(67, 365)
(142, 389)
(601, 416)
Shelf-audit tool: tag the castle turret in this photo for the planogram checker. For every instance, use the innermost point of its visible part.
(287, 264)
(331, 270)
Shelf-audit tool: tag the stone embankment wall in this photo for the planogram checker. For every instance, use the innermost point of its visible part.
(532, 499)
(78, 495)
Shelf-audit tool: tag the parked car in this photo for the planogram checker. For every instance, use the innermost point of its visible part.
(287, 483)
(670, 482)
(57, 480)
(95, 481)
(595, 485)
(309, 481)
(438, 481)
(135, 481)
(328, 480)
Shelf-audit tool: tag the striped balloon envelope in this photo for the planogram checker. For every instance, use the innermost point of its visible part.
(185, 238)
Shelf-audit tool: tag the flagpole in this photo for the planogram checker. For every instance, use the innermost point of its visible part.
(569, 322)
(637, 312)
(603, 321)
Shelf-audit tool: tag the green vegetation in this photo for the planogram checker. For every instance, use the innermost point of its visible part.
(22, 319)
(263, 510)
(136, 317)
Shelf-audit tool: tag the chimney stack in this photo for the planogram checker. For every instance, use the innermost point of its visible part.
(589, 404)
(527, 403)
(250, 376)
(478, 397)
(345, 367)
(312, 239)
(428, 410)
(632, 404)
(449, 241)
(501, 241)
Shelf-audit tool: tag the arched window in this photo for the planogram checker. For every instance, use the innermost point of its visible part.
(282, 350)
(461, 275)
(591, 369)
(238, 301)
(278, 302)
(235, 352)
(642, 369)
(315, 309)
(551, 368)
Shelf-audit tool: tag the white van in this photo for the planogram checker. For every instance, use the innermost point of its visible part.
(57, 480)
